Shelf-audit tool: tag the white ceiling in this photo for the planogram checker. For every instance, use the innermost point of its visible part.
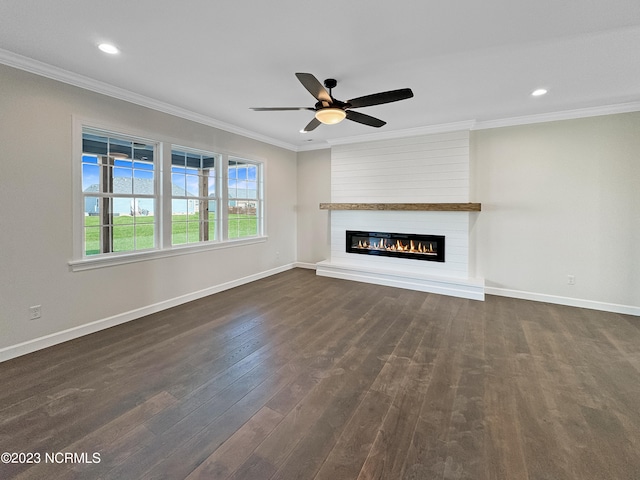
(464, 60)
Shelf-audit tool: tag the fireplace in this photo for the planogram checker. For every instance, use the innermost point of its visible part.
(402, 245)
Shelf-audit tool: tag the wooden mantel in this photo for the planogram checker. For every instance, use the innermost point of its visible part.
(427, 207)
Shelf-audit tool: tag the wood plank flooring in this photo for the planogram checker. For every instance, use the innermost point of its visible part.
(303, 377)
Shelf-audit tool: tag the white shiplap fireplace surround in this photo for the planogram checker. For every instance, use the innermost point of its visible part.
(430, 168)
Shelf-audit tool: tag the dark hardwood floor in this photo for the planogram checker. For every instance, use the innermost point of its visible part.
(304, 377)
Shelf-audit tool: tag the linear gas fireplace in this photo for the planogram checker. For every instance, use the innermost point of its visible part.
(403, 245)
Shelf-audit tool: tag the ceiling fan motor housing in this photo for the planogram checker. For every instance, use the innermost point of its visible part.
(330, 83)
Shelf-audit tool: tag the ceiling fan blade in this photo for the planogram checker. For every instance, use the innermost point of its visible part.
(312, 125)
(278, 109)
(365, 119)
(379, 98)
(315, 88)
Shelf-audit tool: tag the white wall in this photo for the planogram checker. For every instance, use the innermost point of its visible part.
(561, 198)
(573, 185)
(36, 220)
(314, 187)
(425, 168)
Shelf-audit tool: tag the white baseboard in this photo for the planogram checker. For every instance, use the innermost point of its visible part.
(30, 346)
(472, 288)
(568, 301)
(310, 266)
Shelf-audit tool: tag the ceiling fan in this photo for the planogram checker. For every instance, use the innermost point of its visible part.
(330, 111)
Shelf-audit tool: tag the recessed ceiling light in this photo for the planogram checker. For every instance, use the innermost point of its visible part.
(108, 48)
(539, 92)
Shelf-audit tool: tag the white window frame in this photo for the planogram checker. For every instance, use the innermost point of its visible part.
(201, 198)
(259, 194)
(104, 193)
(80, 262)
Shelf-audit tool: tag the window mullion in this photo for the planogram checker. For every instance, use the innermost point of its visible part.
(204, 204)
(223, 197)
(106, 234)
(165, 224)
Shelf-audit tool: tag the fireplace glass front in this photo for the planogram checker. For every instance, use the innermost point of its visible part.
(403, 245)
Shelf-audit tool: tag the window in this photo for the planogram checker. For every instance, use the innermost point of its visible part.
(244, 197)
(193, 193)
(133, 202)
(119, 193)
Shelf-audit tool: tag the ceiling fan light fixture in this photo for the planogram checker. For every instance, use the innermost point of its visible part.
(330, 116)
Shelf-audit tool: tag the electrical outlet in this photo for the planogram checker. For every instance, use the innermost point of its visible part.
(35, 312)
(571, 279)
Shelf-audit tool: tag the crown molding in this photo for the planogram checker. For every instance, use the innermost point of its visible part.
(409, 132)
(321, 145)
(489, 124)
(55, 73)
(557, 116)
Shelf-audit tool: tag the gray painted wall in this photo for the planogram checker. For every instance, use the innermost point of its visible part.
(36, 243)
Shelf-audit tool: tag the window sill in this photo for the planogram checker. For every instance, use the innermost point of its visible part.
(122, 259)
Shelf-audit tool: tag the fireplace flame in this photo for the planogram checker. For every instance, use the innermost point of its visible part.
(426, 248)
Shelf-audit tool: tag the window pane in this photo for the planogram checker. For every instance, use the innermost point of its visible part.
(90, 175)
(91, 207)
(143, 152)
(244, 196)
(241, 189)
(127, 164)
(212, 220)
(247, 227)
(120, 148)
(179, 207)
(178, 158)
(242, 220)
(91, 240)
(125, 219)
(144, 236)
(122, 180)
(123, 239)
(194, 160)
(193, 232)
(143, 182)
(143, 165)
(233, 227)
(193, 176)
(115, 167)
(142, 209)
(95, 144)
(122, 206)
(193, 185)
(178, 184)
(252, 190)
(178, 232)
(178, 222)
(233, 169)
(212, 183)
(208, 162)
(232, 191)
